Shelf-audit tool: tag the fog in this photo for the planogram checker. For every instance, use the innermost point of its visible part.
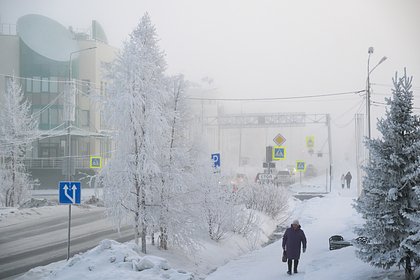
(264, 49)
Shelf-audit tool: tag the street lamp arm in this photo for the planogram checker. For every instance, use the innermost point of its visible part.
(380, 61)
(70, 59)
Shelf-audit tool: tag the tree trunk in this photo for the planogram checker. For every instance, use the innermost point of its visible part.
(153, 235)
(409, 272)
(136, 228)
(143, 220)
(137, 212)
(163, 238)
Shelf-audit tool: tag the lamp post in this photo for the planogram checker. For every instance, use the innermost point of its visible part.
(369, 71)
(70, 116)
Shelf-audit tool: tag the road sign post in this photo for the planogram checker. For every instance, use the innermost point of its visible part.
(300, 167)
(69, 193)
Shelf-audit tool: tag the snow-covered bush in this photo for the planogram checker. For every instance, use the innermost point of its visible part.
(268, 199)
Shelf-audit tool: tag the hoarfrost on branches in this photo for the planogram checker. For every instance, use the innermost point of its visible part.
(389, 201)
(18, 129)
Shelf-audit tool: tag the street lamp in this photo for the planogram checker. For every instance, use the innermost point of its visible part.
(69, 111)
(369, 71)
(70, 116)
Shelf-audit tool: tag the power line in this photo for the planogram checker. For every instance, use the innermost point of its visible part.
(351, 120)
(390, 86)
(277, 98)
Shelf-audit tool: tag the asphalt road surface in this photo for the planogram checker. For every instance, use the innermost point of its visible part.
(43, 240)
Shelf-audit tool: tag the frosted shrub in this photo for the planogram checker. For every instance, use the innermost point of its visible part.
(268, 199)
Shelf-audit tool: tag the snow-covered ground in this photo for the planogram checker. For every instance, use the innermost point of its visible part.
(320, 218)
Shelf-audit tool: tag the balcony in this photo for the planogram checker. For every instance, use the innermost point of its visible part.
(47, 163)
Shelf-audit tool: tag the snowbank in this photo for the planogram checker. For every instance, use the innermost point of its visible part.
(109, 260)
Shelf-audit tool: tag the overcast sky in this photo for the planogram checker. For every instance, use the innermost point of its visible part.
(255, 48)
(265, 48)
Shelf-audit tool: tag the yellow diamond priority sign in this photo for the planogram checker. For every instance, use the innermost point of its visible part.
(279, 139)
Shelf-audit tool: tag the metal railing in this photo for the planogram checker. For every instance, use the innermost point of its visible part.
(46, 163)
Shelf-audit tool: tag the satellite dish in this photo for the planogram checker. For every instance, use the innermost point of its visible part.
(46, 37)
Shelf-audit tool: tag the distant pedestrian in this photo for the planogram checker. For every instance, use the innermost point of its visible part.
(342, 181)
(348, 179)
(293, 238)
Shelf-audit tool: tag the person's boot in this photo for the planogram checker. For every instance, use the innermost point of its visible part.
(289, 266)
(295, 265)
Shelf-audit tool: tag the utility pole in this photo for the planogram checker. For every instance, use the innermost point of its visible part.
(71, 107)
(329, 147)
(369, 71)
(370, 51)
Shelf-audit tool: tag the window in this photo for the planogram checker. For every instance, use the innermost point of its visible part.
(84, 117)
(43, 122)
(48, 150)
(54, 117)
(44, 84)
(53, 84)
(36, 84)
(28, 85)
(84, 147)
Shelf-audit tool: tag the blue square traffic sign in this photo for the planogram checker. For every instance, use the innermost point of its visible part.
(279, 153)
(70, 192)
(216, 159)
(300, 166)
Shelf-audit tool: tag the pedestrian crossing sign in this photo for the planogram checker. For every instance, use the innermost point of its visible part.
(300, 166)
(279, 153)
(95, 162)
(310, 141)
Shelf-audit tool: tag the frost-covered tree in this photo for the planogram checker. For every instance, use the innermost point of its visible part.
(175, 211)
(135, 106)
(389, 202)
(18, 128)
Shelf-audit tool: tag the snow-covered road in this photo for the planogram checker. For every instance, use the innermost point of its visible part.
(41, 238)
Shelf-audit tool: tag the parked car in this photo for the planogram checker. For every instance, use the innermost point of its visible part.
(284, 178)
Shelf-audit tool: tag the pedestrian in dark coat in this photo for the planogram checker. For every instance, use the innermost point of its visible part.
(293, 238)
(348, 179)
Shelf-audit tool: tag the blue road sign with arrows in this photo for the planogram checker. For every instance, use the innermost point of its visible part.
(70, 192)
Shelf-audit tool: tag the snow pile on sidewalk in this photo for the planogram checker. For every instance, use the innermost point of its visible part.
(320, 218)
(109, 260)
(35, 203)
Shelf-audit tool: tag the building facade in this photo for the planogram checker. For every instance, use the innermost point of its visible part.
(61, 72)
